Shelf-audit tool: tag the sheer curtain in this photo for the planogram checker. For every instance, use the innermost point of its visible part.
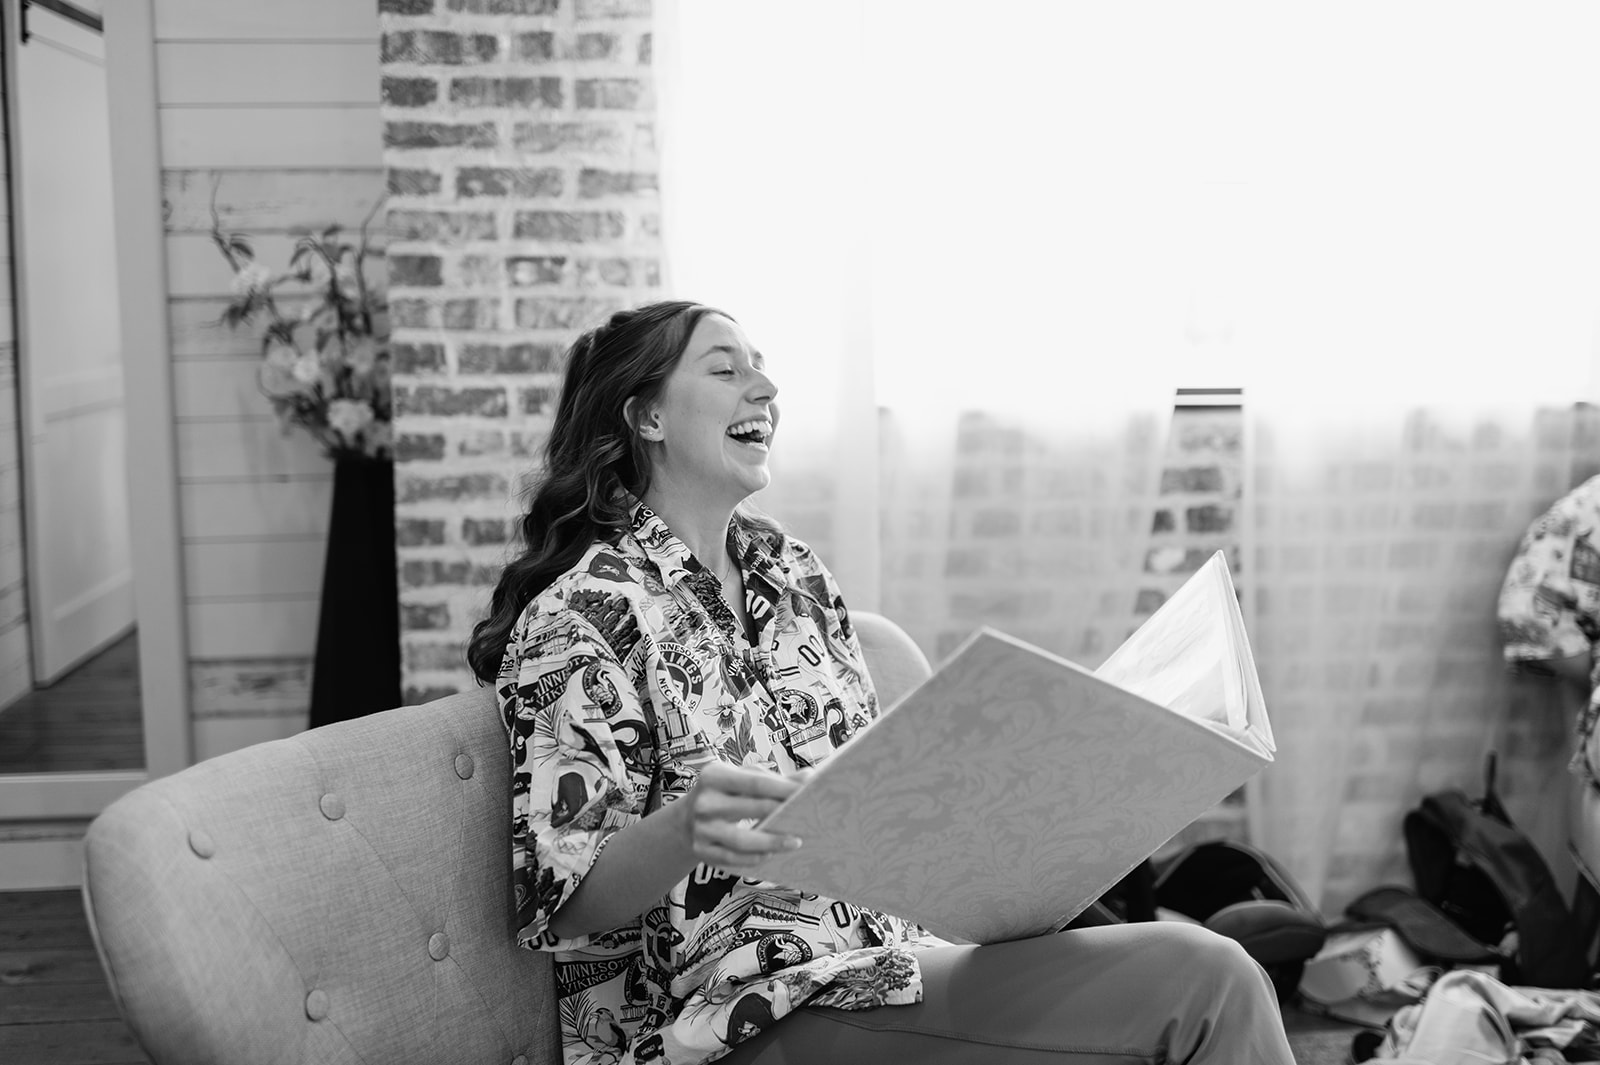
(968, 278)
(1417, 323)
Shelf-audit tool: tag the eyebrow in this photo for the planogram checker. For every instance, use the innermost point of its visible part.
(728, 349)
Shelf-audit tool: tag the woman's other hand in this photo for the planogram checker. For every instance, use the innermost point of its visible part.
(721, 808)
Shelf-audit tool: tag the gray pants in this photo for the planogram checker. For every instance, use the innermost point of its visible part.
(1152, 992)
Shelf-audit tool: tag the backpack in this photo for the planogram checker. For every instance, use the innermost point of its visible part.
(1232, 889)
(1471, 862)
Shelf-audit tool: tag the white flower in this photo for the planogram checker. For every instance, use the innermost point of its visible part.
(252, 277)
(349, 417)
(360, 353)
(307, 368)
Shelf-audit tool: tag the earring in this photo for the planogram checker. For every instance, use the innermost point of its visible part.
(650, 432)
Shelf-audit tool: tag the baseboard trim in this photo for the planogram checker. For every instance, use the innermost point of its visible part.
(40, 864)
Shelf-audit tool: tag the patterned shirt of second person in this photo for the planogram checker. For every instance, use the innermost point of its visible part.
(620, 681)
(1550, 603)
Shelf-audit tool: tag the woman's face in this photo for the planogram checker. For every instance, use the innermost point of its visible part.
(713, 422)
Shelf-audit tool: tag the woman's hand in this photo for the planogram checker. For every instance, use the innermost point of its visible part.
(723, 798)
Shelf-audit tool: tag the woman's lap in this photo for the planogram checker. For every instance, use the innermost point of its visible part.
(1124, 993)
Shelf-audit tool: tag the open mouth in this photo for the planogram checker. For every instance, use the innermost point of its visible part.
(756, 432)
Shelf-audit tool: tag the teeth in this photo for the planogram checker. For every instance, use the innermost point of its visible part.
(755, 425)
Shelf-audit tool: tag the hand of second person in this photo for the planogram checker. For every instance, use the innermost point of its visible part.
(722, 799)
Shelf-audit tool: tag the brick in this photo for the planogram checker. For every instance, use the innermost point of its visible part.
(596, 46)
(538, 400)
(407, 358)
(412, 314)
(1165, 521)
(563, 313)
(405, 7)
(650, 225)
(481, 442)
(431, 572)
(506, 7)
(1191, 479)
(419, 447)
(535, 270)
(996, 523)
(471, 313)
(612, 94)
(619, 272)
(506, 92)
(418, 532)
(613, 8)
(645, 48)
(572, 226)
(528, 444)
(438, 47)
(454, 488)
(404, 181)
(525, 183)
(594, 183)
(439, 401)
(435, 657)
(1208, 518)
(415, 617)
(1148, 600)
(441, 227)
(410, 92)
(479, 271)
(477, 532)
(439, 135)
(415, 270)
(599, 137)
(537, 47)
(510, 358)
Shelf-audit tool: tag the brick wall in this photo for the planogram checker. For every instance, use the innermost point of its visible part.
(519, 149)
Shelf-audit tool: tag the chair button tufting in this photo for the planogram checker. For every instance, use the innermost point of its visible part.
(200, 843)
(332, 806)
(317, 1004)
(438, 946)
(520, 1059)
(463, 766)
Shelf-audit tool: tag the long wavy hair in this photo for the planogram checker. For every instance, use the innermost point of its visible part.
(595, 463)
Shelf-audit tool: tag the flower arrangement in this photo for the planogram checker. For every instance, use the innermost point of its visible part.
(324, 365)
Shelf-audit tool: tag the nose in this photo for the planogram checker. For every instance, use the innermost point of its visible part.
(762, 387)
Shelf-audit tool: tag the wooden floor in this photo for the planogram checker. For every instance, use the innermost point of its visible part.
(56, 1009)
(55, 1006)
(87, 721)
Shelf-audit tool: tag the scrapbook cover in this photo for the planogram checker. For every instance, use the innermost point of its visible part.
(1012, 788)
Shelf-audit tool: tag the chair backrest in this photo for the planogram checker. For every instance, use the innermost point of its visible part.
(343, 895)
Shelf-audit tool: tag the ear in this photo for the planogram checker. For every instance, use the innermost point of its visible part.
(646, 423)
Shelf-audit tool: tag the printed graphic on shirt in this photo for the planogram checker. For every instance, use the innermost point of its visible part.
(620, 682)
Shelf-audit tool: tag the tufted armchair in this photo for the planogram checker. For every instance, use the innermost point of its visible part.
(343, 895)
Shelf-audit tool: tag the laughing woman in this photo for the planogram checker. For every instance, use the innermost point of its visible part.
(640, 648)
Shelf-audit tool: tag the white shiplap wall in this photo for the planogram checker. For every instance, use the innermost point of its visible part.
(16, 650)
(276, 105)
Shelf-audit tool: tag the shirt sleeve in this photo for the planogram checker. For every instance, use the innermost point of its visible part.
(582, 762)
(1539, 612)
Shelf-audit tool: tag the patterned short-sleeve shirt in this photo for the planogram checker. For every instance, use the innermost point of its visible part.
(620, 681)
(1550, 602)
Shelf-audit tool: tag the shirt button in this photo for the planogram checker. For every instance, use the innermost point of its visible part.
(438, 946)
(332, 807)
(464, 766)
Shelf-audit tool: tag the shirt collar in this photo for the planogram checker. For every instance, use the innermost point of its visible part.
(759, 554)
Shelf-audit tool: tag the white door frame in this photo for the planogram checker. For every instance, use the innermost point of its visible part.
(151, 452)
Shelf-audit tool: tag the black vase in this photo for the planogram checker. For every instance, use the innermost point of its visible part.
(357, 668)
